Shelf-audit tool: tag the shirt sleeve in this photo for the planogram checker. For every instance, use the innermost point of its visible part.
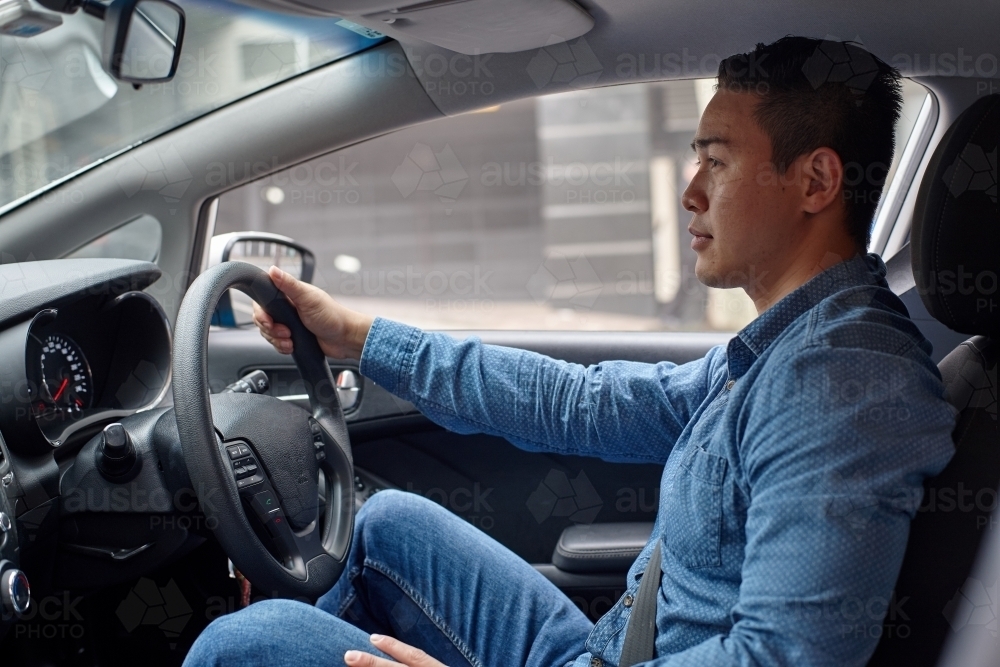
(835, 464)
(535, 402)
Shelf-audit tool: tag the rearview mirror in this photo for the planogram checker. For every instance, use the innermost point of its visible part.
(142, 40)
(261, 249)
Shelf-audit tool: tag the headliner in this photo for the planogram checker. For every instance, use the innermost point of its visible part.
(675, 40)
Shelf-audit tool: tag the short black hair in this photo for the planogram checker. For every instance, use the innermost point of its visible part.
(816, 93)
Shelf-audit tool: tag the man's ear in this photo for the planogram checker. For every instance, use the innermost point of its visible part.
(822, 179)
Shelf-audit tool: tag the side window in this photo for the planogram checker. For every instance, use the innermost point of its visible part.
(558, 212)
(913, 130)
(138, 239)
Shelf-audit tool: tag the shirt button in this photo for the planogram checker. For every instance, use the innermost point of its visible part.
(730, 385)
(596, 662)
(628, 600)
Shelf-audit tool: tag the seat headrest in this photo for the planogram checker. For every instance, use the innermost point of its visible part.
(956, 226)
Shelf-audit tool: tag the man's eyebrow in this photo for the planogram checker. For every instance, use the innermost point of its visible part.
(705, 142)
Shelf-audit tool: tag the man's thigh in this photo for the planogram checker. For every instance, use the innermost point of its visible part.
(425, 576)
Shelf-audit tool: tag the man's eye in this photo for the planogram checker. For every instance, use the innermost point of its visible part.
(712, 162)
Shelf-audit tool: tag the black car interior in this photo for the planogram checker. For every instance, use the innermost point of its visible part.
(105, 524)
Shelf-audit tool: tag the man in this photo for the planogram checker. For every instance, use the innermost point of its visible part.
(793, 456)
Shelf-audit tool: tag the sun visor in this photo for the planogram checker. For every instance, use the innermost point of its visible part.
(466, 26)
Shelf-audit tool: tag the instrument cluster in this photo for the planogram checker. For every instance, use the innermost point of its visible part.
(96, 358)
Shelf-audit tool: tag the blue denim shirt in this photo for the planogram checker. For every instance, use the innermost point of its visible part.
(793, 462)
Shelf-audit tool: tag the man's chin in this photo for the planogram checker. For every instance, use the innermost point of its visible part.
(705, 272)
(711, 274)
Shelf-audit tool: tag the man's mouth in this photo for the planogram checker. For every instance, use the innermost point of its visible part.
(700, 239)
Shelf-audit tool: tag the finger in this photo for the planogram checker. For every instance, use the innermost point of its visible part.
(281, 345)
(266, 323)
(279, 331)
(274, 329)
(404, 653)
(362, 659)
(260, 317)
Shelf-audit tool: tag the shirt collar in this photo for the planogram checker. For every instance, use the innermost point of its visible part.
(756, 337)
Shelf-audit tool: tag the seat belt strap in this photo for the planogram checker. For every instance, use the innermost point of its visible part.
(640, 636)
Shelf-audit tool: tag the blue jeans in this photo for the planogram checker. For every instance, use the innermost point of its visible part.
(420, 574)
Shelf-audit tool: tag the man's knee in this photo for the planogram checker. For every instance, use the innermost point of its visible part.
(224, 642)
(399, 508)
(392, 516)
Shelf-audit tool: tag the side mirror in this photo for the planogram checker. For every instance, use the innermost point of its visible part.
(260, 249)
(142, 40)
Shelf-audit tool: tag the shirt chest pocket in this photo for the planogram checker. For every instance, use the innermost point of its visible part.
(694, 509)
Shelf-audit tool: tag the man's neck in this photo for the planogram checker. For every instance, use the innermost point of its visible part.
(805, 262)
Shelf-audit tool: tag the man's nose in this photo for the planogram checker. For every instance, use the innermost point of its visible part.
(694, 199)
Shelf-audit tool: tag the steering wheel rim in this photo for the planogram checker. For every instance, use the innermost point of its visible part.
(313, 554)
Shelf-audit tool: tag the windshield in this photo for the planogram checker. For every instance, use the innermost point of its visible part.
(61, 113)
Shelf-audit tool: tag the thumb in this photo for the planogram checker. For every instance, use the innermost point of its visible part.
(309, 301)
(287, 283)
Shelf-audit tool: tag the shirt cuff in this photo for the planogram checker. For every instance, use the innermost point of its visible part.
(386, 357)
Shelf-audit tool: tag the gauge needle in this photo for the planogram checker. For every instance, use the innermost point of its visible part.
(62, 388)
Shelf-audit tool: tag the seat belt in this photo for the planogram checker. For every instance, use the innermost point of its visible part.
(640, 636)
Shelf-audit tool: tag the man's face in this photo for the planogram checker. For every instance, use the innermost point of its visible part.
(747, 218)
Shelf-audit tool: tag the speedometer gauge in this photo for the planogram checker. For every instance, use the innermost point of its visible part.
(66, 384)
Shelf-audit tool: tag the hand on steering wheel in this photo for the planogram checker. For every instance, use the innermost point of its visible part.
(340, 332)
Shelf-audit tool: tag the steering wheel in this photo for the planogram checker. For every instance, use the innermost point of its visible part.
(255, 460)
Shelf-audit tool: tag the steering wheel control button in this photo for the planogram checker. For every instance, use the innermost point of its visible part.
(264, 503)
(238, 451)
(5, 524)
(248, 481)
(15, 591)
(276, 523)
(318, 442)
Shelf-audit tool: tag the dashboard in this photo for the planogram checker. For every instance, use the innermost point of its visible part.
(81, 345)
